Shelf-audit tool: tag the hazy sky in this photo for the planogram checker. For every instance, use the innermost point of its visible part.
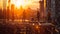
(0, 3)
(34, 5)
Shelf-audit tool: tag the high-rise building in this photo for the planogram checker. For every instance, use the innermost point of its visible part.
(51, 8)
(8, 9)
(9, 4)
(42, 12)
(4, 8)
(4, 4)
(57, 9)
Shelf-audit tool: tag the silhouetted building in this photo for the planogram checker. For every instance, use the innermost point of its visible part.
(57, 9)
(41, 10)
(4, 4)
(51, 8)
(12, 12)
(1, 14)
(48, 6)
(8, 10)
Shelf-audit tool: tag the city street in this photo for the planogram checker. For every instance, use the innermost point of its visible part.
(17, 27)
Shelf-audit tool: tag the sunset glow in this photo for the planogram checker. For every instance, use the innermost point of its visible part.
(19, 3)
(33, 4)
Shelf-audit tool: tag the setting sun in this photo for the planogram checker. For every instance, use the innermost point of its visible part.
(19, 3)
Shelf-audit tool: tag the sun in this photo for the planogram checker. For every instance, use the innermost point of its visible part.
(19, 3)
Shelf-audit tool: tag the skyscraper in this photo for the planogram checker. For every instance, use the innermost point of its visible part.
(41, 10)
(4, 4)
(57, 12)
(51, 8)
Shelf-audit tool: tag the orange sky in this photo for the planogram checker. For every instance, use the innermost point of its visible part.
(34, 5)
(0, 3)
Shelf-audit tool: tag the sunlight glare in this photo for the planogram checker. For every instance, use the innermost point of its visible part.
(19, 3)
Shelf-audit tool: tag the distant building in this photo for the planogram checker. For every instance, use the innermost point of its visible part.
(9, 4)
(4, 4)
